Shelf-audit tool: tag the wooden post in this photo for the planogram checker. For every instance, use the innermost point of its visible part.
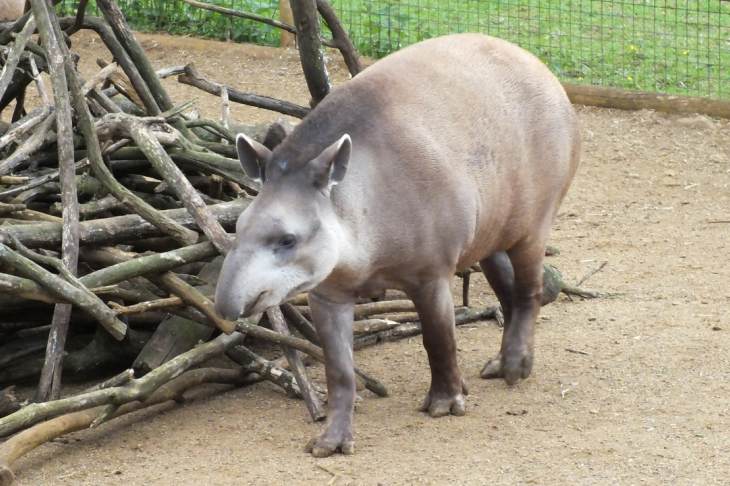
(286, 16)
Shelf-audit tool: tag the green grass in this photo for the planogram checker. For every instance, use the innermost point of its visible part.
(670, 46)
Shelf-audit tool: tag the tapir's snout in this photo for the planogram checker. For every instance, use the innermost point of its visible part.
(226, 307)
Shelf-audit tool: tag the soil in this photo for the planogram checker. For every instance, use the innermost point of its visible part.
(631, 389)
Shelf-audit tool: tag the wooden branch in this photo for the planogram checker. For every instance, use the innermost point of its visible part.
(37, 181)
(314, 405)
(39, 82)
(310, 48)
(383, 307)
(150, 305)
(124, 195)
(408, 329)
(18, 130)
(266, 369)
(193, 78)
(244, 326)
(139, 131)
(148, 264)
(24, 442)
(25, 289)
(79, 21)
(66, 291)
(340, 38)
(137, 389)
(29, 146)
(638, 100)
(117, 228)
(11, 63)
(9, 403)
(243, 15)
(58, 58)
(124, 35)
(300, 323)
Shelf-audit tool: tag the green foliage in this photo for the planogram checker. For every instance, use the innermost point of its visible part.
(681, 46)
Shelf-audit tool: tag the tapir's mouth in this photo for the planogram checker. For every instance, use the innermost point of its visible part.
(249, 310)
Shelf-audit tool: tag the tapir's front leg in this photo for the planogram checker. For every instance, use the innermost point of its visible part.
(334, 326)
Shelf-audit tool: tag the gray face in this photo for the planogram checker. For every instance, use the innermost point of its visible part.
(287, 240)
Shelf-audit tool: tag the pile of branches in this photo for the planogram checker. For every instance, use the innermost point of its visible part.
(114, 209)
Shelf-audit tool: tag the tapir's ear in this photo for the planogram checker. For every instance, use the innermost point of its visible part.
(329, 167)
(253, 156)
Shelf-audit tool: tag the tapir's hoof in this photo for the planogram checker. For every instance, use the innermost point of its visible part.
(440, 405)
(324, 447)
(512, 368)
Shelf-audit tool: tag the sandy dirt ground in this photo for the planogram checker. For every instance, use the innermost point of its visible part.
(644, 400)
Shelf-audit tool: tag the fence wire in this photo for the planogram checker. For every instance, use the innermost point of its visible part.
(666, 46)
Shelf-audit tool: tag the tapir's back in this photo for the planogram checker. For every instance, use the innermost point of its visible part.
(455, 135)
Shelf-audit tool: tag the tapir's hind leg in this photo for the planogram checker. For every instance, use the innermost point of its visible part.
(436, 310)
(501, 277)
(517, 281)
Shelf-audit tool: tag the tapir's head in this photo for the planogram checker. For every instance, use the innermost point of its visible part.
(288, 238)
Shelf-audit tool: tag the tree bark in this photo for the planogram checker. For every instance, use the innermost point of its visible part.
(340, 38)
(310, 48)
(49, 386)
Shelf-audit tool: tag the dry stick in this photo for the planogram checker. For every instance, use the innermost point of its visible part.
(49, 386)
(408, 329)
(243, 15)
(300, 323)
(14, 57)
(305, 346)
(79, 21)
(124, 35)
(124, 195)
(25, 125)
(149, 264)
(122, 58)
(99, 78)
(39, 181)
(19, 445)
(225, 109)
(194, 298)
(122, 84)
(193, 78)
(172, 174)
(340, 39)
(591, 273)
(14, 180)
(117, 380)
(383, 307)
(118, 228)
(314, 406)
(310, 49)
(266, 369)
(150, 305)
(137, 389)
(68, 292)
(30, 146)
(24, 288)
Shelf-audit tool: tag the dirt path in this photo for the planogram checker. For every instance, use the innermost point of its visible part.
(647, 400)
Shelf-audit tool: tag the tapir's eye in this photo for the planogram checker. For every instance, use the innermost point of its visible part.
(287, 241)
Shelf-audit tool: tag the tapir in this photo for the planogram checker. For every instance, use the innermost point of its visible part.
(455, 150)
(11, 9)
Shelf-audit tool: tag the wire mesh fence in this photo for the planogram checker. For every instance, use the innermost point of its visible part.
(666, 46)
